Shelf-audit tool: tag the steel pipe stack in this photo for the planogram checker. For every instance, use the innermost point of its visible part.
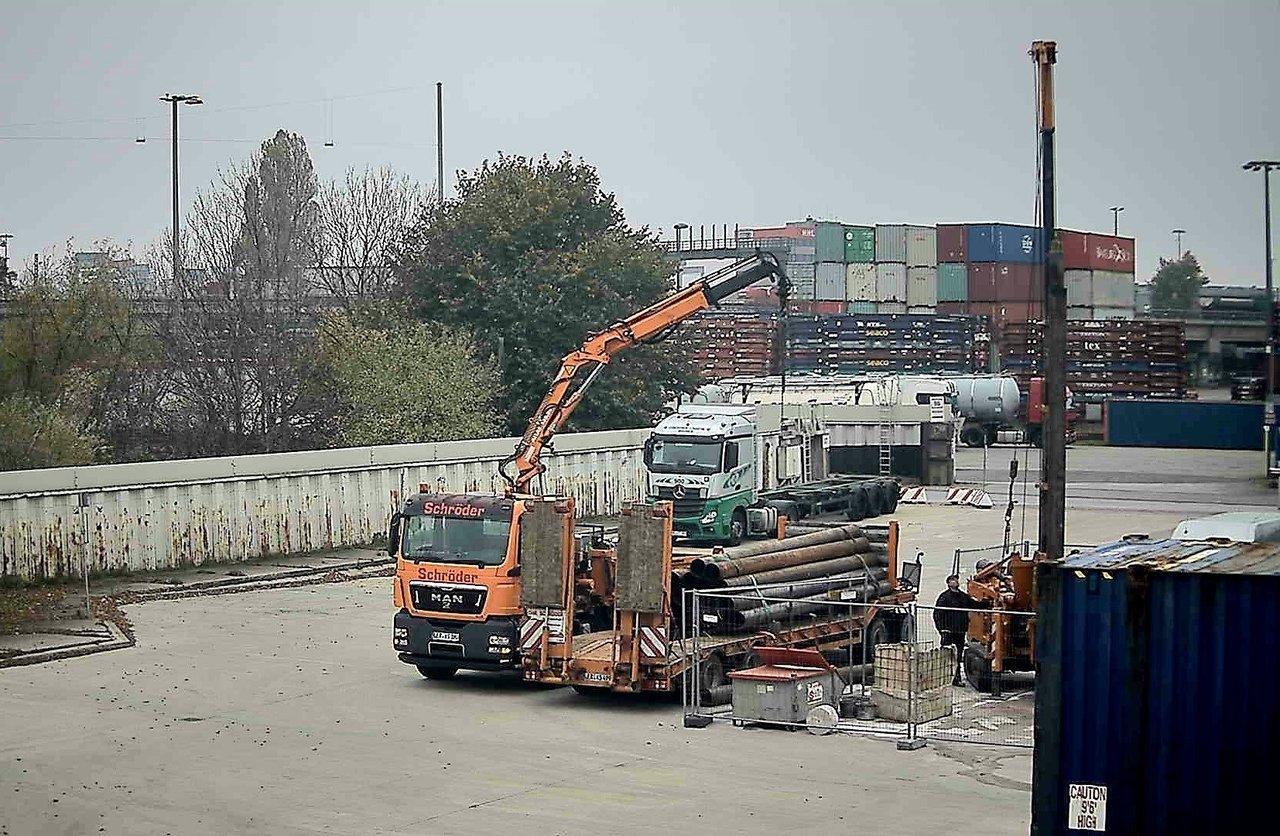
(730, 621)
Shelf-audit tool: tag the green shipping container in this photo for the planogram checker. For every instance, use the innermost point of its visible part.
(859, 244)
(830, 241)
(953, 283)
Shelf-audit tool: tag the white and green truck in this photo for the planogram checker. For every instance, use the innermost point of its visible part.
(731, 470)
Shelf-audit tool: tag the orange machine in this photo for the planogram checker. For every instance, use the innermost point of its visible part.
(1000, 640)
(468, 565)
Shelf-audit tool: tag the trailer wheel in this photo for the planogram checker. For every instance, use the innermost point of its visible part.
(977, 667)
(857, 507)
(973, 436)
(877, 632)
(437, 673)
(890, 491)
(711, 673)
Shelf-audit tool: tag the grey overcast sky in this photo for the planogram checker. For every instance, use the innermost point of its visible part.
(746, 112)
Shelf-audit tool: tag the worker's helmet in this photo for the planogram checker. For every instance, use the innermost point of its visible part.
(983, 564)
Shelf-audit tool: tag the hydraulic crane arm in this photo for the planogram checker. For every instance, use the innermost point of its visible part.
(579, 369)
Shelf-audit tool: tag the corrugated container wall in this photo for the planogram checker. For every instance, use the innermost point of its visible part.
(859, 244)
(1079, 285)
(982, 283)
(1003, 313)
(1079, 312)
(1018, 282)
(862, 307)
(891, 283)
(922, 246)
(860, 283)
(1112, 290)
(1156, 681)
(891, 307)
(803, 280)
(830, 241)
(952, 247)
(803, 253)
(953, 282)
(922, 286)
(1094, 251)
(830, 282)
(891, 243)
(1004, 242)
(1103, 312)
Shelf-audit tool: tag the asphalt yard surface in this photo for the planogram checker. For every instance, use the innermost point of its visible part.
(285, 711)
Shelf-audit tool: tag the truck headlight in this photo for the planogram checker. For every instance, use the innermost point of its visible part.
(708, 518)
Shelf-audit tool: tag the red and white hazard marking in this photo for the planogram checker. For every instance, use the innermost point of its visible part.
(968, 496)
(531, 632)
(914, 496)
(653, 642)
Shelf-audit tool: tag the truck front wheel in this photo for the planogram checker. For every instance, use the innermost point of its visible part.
(737, 526)
(973, 436)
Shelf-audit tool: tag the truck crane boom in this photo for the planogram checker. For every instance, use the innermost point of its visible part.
(579, 368)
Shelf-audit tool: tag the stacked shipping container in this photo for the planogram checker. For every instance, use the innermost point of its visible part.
(1106, 358)
(1098, 275)
(856, 343)
(728, 342)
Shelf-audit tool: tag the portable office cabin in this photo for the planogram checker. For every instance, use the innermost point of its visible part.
(1156, 688)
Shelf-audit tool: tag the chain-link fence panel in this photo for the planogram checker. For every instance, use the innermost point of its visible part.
(803, 654)
(986, 694)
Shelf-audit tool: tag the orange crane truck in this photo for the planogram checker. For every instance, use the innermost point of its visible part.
(643, 650)
(468, 565)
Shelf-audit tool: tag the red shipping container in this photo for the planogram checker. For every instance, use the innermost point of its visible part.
(1018, 282)
(1107, 252)
(1094, 251)
(982, 283)
(1005, 313)
(779, 232)
(952, 243)
(828, 308)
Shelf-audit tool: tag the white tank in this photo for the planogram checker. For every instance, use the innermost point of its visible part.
(987, 398)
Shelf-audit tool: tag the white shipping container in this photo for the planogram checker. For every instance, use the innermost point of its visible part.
(1112, 290)
(1079, 312)
(891, 307)
(698, 268)
(922, 286)
(806, 254)
(860, 282)
(830, 282)
(1079, 287)
(799, 271)
(1101, 312)
(891, 283)
(922, 246)
(922, 309)
(891, 243)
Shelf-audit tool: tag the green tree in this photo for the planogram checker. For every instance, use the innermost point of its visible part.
(34, 433)
(74, 343)
(398, 381)
(531, 256)
(1176, 285)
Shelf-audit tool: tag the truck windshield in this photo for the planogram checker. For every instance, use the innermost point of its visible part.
(482, 542)
(684, 455)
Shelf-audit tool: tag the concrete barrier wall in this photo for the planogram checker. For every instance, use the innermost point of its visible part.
(165, 514)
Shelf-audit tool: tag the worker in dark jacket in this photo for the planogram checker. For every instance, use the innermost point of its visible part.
(952, 624)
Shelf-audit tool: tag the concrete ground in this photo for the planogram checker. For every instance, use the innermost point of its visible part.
(284, 711)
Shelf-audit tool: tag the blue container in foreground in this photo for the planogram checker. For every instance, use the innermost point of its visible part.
(1206, 425)
(1156, 684)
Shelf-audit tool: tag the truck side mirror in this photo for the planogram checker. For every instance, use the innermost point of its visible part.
(730, 455)
(648, 451)
(393, 534)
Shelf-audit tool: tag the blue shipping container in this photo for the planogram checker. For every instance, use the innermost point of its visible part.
(1005, 242)
(1156, 682)
(1208, 425)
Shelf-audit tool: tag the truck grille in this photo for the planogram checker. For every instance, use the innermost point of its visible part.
(690, 506)
(463, 600)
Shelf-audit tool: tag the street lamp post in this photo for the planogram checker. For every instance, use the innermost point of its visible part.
(1177, 235)
(176, 100)
(1115, 219)
(1265, 166)
(680, 227)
